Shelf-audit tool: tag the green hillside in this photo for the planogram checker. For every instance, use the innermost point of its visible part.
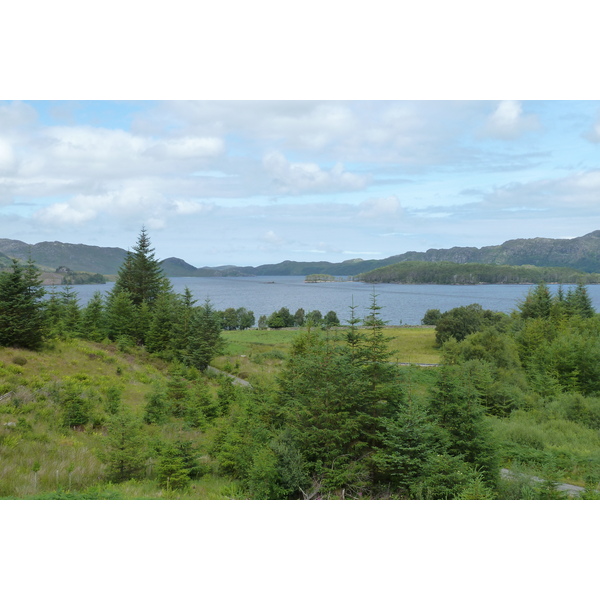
(448, 273)
(582, 253)
(76, 257)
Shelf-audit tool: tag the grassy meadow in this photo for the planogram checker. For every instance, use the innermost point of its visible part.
(42, 458)
(257, 355)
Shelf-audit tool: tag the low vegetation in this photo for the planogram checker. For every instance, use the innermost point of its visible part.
(113, 400)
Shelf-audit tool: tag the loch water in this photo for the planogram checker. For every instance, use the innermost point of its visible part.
(402, 304)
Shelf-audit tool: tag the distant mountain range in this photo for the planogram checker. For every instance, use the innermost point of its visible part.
(582, 253)
(77, 257)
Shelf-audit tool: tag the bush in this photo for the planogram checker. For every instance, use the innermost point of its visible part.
(462, 321)
(431, 317)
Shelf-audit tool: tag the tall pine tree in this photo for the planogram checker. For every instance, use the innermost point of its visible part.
(21, 314)
(141, 274)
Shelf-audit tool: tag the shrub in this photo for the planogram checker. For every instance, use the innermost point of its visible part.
(431, 317)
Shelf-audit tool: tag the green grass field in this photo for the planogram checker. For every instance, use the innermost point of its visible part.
(257, 355)
(41, 458)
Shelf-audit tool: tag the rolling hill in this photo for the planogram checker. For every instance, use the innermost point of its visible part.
(581, 253)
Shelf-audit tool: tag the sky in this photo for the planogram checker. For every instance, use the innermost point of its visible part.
(254, 182)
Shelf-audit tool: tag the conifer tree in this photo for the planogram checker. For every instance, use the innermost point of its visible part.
(161, 330)
(124, 450)
(21, 314)
(71, 312)
(53, 315)
(173, 473)
(457, 409)
(141, 274)
(157, 407)
(537, 304)
(408, 441)
(205, 339)
(121, 316)
(353, 336)
(91, 325)
(579, 303)
(329, 410)
(182, 326)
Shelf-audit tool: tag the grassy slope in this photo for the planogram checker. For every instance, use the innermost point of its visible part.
(68, 460)
(30, 421)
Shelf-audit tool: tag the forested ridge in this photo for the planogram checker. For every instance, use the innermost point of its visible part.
(581, 253)
(113, 400)
(449, 273)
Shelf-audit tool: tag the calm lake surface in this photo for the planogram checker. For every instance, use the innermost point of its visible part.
(401, 304)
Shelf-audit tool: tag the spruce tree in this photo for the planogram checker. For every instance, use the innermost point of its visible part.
(328, 408)
(21, 314)
(141, 274)
(408, 441)
(173, 472)
(537, 304)
(124, 451)
(121, 316)
(457, 409)
(579, 303)
(91, 325)
(72, 313)
(162, 325)
(182, 326)
(53, 315)
(205, 339)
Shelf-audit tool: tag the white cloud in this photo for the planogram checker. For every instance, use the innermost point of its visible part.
(132, 204)
(16, 117)
(307, 125)
(296, 178)
(555, 198)
(588, 181)
(380, 207)
(192, 207)
(594, 134)
(407, 133)
(187, 147)
(272, 238)
(87, 153)
(64, 214)
(508, 122)
(7, 157)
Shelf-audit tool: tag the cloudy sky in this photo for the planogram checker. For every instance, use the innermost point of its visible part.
(254, 182)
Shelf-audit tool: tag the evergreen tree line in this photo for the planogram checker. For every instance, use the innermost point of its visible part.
(141, 309)
(450, 273)
(549, 344)
(537, 373)
(283, 318)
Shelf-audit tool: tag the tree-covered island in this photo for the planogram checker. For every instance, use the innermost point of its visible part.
(449, 273)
